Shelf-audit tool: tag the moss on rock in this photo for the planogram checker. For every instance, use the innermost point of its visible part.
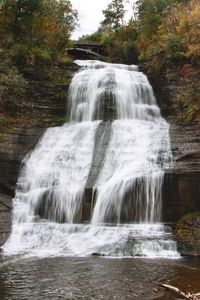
(188, 234)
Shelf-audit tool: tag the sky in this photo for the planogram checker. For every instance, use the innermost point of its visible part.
(90, 15)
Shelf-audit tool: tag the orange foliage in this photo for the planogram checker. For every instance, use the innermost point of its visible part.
(178, 35)
(187, 71)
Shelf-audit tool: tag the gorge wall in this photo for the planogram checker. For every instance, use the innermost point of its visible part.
(181, 192)
(45, 106)
(181, 189)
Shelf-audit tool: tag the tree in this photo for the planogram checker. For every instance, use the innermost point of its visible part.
(114, 15)
(36, 28)
(177, 35)
(151, 15)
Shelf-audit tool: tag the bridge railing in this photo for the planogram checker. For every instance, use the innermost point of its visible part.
(95, 47)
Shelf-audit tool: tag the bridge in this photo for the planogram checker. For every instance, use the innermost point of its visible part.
(87, 50)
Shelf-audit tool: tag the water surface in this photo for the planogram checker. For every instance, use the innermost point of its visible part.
(95, 278)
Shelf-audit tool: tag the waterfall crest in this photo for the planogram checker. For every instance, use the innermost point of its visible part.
(48, 206)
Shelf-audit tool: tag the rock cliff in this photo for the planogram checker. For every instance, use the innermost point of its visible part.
(45, 107)
(181, 189)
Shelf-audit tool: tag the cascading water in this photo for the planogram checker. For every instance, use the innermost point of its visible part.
(48, 217)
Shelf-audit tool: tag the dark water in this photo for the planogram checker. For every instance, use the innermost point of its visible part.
(95, 278)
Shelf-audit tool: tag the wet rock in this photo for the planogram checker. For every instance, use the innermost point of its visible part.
(187, 234)
(13, 147)
(45, 106)
(181, 189)
(5, 217)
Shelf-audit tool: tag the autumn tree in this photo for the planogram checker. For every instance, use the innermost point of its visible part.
(36, 28)
(150, 15)
(187, 27)
(114, 15)
(177, 34)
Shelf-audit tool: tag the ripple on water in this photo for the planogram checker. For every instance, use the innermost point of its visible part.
(94, 278)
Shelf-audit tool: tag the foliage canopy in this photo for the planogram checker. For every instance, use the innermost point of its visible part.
(113, 15)
(36, 29)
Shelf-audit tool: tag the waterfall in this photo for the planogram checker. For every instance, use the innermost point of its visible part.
(126, 206)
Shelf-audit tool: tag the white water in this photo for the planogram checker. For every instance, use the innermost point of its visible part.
(130, 88)
(55, 174)
(52, 182)
(131, 164)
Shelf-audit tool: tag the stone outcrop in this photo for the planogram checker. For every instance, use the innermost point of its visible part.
(5, 216)
(181, 188)
(187, 234)
(45, 106)
(101, 142)
(166, 84)
(13, 147)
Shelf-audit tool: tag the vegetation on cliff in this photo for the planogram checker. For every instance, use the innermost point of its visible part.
(160, 33)
(188, 234)
(33, 39)
(173, 38)
(36, 30)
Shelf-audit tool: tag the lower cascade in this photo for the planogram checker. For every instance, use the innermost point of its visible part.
(94, 185)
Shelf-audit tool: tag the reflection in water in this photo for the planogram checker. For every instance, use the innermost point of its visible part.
(94, 278)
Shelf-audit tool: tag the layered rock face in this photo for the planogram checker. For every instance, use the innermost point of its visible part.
(187, 234)
(181, 191)
(45, 106)
(13, 147)
(181, 188)
(5, 217)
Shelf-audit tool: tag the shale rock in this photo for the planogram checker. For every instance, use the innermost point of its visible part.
(181, 189)
(45, 106)
(187, 234)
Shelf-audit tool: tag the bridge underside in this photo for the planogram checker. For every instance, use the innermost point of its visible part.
(77, 53)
